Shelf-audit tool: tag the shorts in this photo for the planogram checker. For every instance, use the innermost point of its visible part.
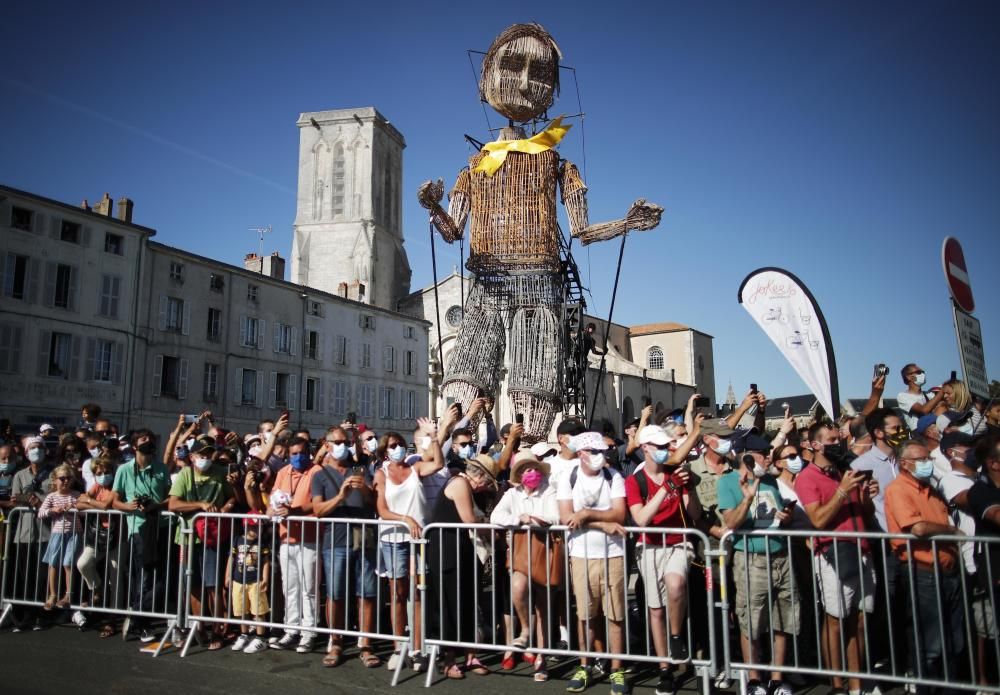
(61, 550)
(362, 579)
(764, 588)
(984, 617)
(249, 597)
(655, 563)
(840, 598)
(599, 583)
(394, 560)
(204, 566)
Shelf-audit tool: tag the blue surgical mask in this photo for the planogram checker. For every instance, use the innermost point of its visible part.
(924, 469)
(465, 451)
(36, 455)
(105, 479)
(793, 465)
(8, 467)
(299, 461)
(397, 454)
(371, 445)
(660, 455)
(340, 451)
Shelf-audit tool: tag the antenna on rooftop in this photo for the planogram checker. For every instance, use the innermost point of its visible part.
(261, 231)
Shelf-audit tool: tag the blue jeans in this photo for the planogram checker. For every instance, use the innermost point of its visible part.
(925, 632)
(337, 562)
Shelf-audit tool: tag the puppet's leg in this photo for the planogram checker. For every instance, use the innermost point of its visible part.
(535, 356)
(475, 361)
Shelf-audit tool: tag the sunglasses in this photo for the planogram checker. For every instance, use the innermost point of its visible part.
(337, 441)
(64, 479)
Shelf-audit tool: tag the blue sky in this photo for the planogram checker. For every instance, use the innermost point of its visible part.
(841, 141)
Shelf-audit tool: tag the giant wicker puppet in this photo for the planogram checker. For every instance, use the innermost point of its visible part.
(509, 190)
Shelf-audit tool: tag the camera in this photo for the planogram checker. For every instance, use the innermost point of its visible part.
(144, 501)
(235, 468)
(880, 370)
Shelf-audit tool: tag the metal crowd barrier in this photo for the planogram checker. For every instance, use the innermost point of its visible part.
(476, 594)
(113, 570)
(951, 611)
(338, 551)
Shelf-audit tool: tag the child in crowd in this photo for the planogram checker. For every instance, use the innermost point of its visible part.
(248, 575)
(60, 507)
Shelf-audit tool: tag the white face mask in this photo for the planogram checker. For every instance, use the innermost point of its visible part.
(596, 462)
(758, 470)
(340, 451)
(267, 436)
(94, 453)
(724, 447)
(920, 379)
(793, 465)
(465, 451)
(201, 465)
(372, 445)
(36, 455)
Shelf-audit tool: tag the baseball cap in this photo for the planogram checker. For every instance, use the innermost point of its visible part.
(542, 448)
(953, 439)
(755, 442)
(653, 434)
(588, 440)
(202, 444)
(926, 421)
(571, 427)
(717, 427)
(46, 428)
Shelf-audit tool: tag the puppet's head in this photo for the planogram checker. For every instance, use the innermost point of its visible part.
(521, 72)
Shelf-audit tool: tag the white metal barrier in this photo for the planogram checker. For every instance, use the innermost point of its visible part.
(469, 602)
(109, 563)
(919, 622)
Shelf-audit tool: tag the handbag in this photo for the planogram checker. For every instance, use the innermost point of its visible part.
(210, 529)
(843, 557)
(547, 565)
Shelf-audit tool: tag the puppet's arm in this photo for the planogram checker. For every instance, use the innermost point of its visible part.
(450, 223)
(641, 216)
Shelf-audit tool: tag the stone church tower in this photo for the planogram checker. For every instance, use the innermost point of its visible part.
(348, 223)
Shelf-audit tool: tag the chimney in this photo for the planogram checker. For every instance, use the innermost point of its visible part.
(103, 206)
(252, 262)
(342, 289)
(125, 209)
(85, 205)
(274, 266)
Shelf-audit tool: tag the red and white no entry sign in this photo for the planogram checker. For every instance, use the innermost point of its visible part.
(957, 274)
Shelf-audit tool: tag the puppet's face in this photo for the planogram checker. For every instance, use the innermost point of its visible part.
(520, 81)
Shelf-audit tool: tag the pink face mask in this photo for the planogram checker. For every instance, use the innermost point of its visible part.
(531, 479)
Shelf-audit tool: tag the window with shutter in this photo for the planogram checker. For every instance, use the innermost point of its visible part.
(10, 348)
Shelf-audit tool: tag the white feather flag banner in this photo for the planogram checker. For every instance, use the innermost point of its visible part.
(786, 311)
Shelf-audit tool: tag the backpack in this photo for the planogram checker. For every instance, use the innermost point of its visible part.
(572, 476)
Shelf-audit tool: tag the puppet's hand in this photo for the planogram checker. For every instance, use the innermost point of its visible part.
(643, 216)
(430, 193)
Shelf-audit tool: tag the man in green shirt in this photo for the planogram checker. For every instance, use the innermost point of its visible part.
(202, 488)
(749, 499)
(140, 490)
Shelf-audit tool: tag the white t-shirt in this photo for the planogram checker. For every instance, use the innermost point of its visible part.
(560, 468)
(906, 401)
(942, 467)
(951, 486)
(593, 492)
(800, 520)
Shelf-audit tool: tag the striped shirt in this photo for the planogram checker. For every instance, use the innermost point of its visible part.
(62, 522)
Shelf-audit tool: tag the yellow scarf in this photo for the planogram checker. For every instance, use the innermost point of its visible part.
(496, 151)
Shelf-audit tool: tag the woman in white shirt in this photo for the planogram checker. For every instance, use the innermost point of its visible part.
(531, 501)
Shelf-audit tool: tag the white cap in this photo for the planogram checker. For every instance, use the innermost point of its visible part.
(542, 448)
(587, 440)
(46, 428)
(653, 434)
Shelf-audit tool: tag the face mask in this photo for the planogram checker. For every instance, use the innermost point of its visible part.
(7, 467)
(836, 452)
(202, 465)
(677, 443)
(299, 461)
(897, 438)
(919, 379)
(531, 479)
(372, 445)
(94, 453)
(724, 447)
(146, 448)
(793, 465)
(397, 454)
(425, 443)
(105, 479)
(596, 462)
(181, 452)
(340, 451)
(923, 469)
(36, 455)
(660, 455)
(465, 451)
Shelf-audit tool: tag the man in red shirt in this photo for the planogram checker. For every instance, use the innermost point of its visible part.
(838, 499)
(658, 496)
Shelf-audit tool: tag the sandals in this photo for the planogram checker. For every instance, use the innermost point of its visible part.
(541, 674)
(508, 663)
(369, 658)
(107, 630)
(476, 666)
(333, 657)
(50, 602)
(454, 671)
(63, 602)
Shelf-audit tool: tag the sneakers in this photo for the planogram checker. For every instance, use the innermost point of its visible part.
(146, 635)
(256, 645)
(600, 669)
(419, 661)
(619, 686)
(305, 644)
(755, 687)
(666, 684)
(241, 642)
(79, 619)
(678, 648)
(286, 641)
(579, 681)
(722, 681)
(779, 688)
(394, 661)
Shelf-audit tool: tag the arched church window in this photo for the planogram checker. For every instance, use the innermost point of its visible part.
(654, 357)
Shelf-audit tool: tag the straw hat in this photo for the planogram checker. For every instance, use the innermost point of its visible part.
(522, 460)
